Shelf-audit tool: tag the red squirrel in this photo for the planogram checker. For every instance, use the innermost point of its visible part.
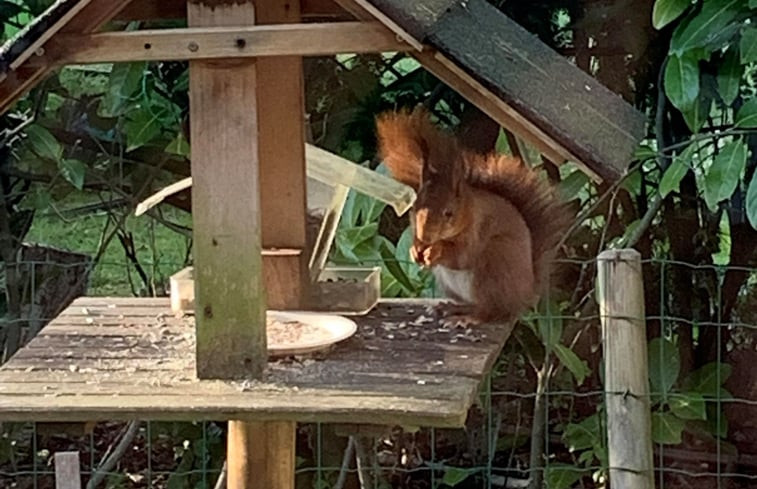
(486, 225)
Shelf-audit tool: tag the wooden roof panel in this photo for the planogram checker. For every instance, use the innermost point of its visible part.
(580, 113)
(583, 115)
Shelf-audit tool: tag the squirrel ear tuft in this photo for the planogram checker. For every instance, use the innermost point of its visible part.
(402, 145)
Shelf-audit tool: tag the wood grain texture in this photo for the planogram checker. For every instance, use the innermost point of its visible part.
(629, 424)
(230, 42)
(177, 9)
(67, 473)
(263, 455)
(116, 358)
(229, 292)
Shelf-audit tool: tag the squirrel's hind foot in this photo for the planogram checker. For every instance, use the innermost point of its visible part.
(461, 321)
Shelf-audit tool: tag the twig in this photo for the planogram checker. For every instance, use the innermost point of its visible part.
(221, 481)
(107, 465)
(346, 459)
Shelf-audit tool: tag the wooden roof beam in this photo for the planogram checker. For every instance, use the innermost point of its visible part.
(177, 9)
(225, 42)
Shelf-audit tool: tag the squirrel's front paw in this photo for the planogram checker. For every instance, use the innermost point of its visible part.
(416, 253)
(432, 254)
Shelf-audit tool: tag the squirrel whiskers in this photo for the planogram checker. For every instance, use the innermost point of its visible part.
(487, 225)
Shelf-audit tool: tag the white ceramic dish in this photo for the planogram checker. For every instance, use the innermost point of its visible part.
(323, 330)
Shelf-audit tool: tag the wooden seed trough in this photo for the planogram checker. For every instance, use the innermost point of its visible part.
(129, 358)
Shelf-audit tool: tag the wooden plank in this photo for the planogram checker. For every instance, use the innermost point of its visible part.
(629, 423)
(177, 9)
(226, 205)
(225, 42)
(284, 276)
(253, 405)
(281, 117)
(67, 473)
(401, 366)
(264, 455)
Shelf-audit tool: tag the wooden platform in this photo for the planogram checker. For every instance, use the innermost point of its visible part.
(117, 358)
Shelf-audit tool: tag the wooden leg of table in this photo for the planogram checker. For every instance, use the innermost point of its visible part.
(261, 455)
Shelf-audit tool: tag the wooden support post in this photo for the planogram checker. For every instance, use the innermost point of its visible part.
(261, 455)
(629, 423)
(281, 122)
(229, 298)
(67, 473)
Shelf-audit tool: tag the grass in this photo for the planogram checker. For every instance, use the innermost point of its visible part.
(160, 251)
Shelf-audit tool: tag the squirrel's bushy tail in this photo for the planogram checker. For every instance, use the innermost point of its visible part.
(403, 141)
(547, 216)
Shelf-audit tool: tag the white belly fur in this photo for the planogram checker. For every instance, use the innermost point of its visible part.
(457, 284)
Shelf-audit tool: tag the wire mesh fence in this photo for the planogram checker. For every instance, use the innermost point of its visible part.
(540, 422)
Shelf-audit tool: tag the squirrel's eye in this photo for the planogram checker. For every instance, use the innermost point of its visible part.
(447, 213)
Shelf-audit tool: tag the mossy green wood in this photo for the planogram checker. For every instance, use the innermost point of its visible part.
(230, 306)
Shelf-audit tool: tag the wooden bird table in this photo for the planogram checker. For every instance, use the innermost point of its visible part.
(131, 358)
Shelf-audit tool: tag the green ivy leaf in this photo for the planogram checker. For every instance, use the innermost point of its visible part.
(583, 435)
(562, 476)
(723, 176)
(124, 81)
(696, 115)
(705, 29)
(455, 475)
(666, 11)
(73, 171)
(41, 198)
(664, 365)
(671, 179)
(644, 152)
(682, 80)
(707, 379)
(178, 146)
(44, 143)
(729, 76)
(389, 259)
(688, 406)
(716, 421)
(571, 185)
(752, 3)
(667, 428)
(572, 362)
(746, 117)
(748, 44)
(142, 126)
(751, 201)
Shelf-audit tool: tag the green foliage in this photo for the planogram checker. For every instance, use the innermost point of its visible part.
(666, 11)
(723, 177)
(751, 201)
(676, 402)
(682, 80)
(711, 34)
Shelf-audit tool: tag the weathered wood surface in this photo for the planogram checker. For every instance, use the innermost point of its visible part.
(620, 288)
(177, 9)
(67, 473)
(314, 39)
(226, 203)
(107, 359)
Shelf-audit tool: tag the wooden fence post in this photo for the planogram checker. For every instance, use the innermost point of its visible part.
(620, 291)
(67, 475)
